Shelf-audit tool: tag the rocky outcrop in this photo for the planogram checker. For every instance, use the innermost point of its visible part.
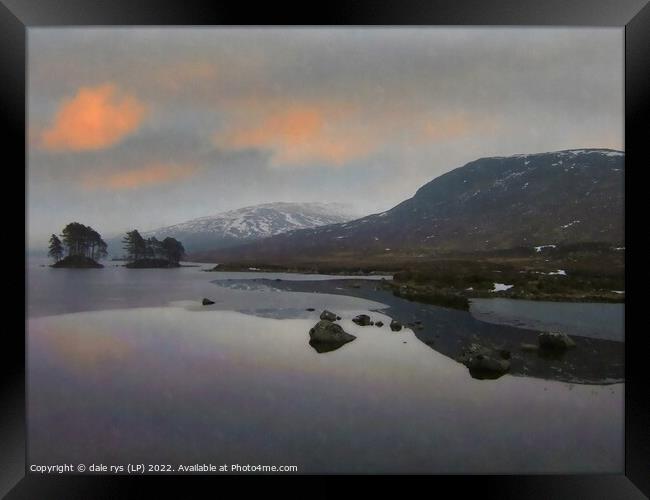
(326, 336)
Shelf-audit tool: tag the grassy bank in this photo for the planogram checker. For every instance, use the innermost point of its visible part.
(577, 273)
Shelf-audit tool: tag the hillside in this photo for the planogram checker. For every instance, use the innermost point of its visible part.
(491, 204)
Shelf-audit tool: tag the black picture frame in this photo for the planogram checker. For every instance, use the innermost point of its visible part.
(16, 16)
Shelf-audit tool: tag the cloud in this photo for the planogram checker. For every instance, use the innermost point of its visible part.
(149, 175)
(174, 77)
(95, 118)
(309, 114)
(300, 135)
(335, 133)
(457, 126)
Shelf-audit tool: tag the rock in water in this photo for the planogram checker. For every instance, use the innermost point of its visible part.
(484, 362)
(310, 309)
(484, 367)
(207, 302)
(555, 341)
(379, 324)
(326, 331)
(328, 315)
(396, 326)
(362, 320)
(326, 336)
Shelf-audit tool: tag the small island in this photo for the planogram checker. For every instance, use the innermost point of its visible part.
(81, 246)
(151, 253)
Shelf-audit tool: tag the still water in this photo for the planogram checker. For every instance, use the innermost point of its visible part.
(594, 320)
(127, 366)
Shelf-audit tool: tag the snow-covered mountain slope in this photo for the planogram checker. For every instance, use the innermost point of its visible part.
(249, 223)
(561, 197)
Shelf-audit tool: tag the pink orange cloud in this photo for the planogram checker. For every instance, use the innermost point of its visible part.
(95, 118)
(302, 134)
(151, 174)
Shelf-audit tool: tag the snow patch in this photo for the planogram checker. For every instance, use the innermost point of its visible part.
(501, 287)
(541, 247)
(570, 224)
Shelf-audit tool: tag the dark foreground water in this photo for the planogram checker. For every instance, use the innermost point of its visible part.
(126, 366)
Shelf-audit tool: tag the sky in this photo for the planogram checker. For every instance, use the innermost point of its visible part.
(146, 127)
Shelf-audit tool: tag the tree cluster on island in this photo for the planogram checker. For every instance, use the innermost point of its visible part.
(151, 252)
(79, 246)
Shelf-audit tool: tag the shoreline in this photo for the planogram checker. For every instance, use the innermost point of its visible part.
(592, 361)
(448, 296)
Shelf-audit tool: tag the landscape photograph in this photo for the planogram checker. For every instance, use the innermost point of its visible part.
(326, 250)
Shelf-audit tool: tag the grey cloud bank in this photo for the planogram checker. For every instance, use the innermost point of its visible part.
(237, 117)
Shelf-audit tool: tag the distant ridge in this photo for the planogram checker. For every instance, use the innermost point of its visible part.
(525, 200)
(247, 224)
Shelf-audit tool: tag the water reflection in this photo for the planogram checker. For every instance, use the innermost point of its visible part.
(129, 366)
(171, 384)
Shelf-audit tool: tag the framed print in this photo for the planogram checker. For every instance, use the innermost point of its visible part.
(383, 241)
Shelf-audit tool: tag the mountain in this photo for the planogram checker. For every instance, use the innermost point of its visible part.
(247, 224)
(561, 197)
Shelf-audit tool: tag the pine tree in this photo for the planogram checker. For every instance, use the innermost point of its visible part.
(83, 241)
(173, 250)
(55, 248)
(135, 245)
